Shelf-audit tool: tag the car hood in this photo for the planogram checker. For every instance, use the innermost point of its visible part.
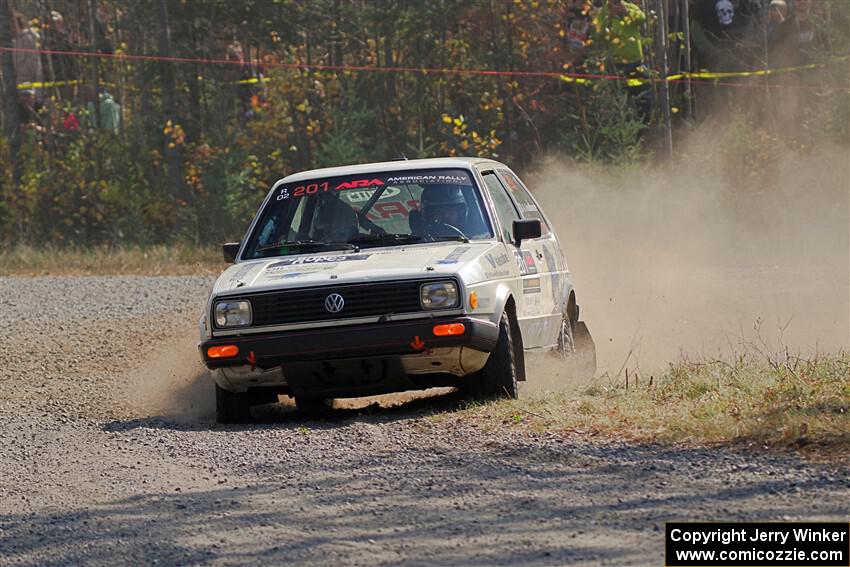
(370, 264)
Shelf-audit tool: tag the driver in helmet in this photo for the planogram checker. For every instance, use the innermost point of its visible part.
(444, 210)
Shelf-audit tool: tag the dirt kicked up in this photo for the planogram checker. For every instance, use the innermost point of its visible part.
(110, 456)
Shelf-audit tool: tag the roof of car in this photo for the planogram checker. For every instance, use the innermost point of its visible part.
(398, 165)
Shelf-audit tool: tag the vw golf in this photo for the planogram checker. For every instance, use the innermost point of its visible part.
(385, 277)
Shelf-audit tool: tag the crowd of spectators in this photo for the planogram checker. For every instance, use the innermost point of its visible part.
(52, 95)
(737, 36)
(600, 35)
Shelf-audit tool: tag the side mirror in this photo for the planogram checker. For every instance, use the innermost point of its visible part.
(230, 250)
(526, 229)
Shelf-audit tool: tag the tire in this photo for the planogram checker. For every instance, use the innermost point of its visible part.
(565, 347)
(576, 349)
(232, 407)
(498, 378)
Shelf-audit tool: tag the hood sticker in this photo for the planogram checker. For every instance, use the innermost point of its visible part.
(242, 273)
(299, 271)
(301, 261)
(455, 255)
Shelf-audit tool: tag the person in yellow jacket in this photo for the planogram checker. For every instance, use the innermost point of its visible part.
(617, 27)
(617, 33)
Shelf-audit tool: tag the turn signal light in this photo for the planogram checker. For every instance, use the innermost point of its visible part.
(449, 329)
(223, 351)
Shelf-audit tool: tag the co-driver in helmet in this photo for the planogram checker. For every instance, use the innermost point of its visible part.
(444, 210)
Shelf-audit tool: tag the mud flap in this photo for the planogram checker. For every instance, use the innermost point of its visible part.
(340, 378)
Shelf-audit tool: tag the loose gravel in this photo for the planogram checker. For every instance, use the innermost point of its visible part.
(109, 455)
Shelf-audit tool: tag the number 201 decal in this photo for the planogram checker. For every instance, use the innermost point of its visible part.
(310, 189)
(302, 190)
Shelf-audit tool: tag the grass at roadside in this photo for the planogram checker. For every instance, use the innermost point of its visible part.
(754, 399)
(153, 260)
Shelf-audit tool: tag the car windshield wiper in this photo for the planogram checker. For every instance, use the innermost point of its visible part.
(387, 237)
(301, 244)
(455, 237)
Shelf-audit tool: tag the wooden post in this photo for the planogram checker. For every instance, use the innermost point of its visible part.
(686, 24)
(169, 108)
(95, 63)
(10, 80)
(665, 85)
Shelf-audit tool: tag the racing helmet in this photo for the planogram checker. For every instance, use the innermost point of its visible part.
(443, 204)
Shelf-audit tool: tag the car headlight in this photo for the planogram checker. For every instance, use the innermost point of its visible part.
(439, 295)
(233, 313)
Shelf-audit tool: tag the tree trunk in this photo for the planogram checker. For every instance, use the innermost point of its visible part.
(95, 64)
(10, 94)
(169, 110)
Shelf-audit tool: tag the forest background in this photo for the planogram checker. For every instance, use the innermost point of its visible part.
(237, 95)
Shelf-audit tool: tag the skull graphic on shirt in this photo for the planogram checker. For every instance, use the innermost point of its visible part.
(725, 12)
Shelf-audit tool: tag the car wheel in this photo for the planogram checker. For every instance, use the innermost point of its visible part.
(565, 347)
(498, 378)
(313, 406)
(232, 407)
(576, 349)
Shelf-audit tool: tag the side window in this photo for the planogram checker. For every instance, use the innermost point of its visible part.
(505, 209)
(520, 194)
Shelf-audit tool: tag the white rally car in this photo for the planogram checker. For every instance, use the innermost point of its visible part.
(384, 277)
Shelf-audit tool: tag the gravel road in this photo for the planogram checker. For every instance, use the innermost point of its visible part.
(109, 455)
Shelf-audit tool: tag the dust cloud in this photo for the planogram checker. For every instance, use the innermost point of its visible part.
(174, 384)
(694, 259)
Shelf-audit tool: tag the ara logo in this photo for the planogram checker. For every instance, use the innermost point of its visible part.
(359, 183)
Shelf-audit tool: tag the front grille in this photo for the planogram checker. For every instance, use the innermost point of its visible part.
(361, 300)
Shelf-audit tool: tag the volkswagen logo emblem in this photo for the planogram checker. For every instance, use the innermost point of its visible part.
(334, 303)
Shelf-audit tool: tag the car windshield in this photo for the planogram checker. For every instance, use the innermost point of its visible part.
(368, 210)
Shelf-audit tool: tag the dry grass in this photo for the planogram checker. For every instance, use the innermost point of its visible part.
(154, 260)
(754, 399)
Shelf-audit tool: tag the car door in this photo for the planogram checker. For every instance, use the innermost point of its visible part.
(546, 250)
(532, 312)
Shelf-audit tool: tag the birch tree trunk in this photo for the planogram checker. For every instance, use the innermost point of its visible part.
(169, 105)
(10, 94)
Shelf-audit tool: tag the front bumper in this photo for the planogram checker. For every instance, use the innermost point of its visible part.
(397, 338)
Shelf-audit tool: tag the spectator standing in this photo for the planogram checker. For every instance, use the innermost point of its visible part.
(794, 38)
(723, 35)
(27, 63)
(578, 30)
(110, 113)
(58, 38)
(237, 71)
(777, 15)
(617, 32)
(617, 28)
